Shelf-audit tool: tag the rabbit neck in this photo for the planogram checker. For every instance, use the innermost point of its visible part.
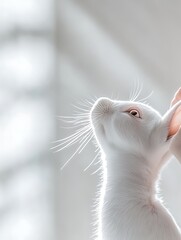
(132, 177)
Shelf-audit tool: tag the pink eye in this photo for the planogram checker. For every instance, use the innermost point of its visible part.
(134, 113)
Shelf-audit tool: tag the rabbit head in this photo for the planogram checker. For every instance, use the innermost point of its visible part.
(133, 127)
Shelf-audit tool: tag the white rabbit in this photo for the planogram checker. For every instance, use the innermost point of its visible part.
(134, 140)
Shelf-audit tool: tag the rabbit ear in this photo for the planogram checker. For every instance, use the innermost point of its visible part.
(176, 119)
(172, 119)
(175, 122)
(177, 97)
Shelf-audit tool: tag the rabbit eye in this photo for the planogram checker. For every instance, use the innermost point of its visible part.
(134, 113)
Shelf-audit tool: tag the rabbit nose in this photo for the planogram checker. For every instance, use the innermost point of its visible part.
(102, 106)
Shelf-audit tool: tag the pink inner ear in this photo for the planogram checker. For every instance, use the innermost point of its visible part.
(175, 122)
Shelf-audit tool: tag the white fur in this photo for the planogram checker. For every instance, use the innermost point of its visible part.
(134, 150)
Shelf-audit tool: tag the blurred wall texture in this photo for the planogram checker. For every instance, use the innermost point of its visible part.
(52, 54)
